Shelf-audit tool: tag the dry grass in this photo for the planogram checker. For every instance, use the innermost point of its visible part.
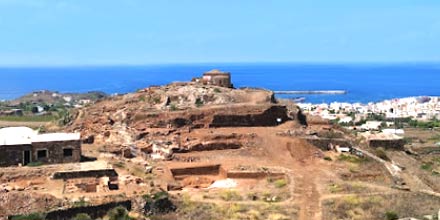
(189, 209)
(376, 207)
(349, 187)
(31, 124)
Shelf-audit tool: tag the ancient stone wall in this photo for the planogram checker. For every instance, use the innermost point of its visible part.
(323, 143)
(55, 151)
(268, 117)
(85, 174)
(253, 175)
(180, 173)
(16, 173)
(387, 144)
(214, 145)
(12, 155)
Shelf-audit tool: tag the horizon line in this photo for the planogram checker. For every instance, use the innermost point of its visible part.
(331, 63)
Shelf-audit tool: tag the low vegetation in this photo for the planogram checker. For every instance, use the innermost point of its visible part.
(280, 183)
(435, 138)
(80, 203)
(33, 216)
(82, 216)
(158, 203)
(230, 195)
(193, 210)
(391, 215)
(35, 164)
(414, 205)
(28, 118)
(199, 103)
(327, 158)
(173, 107)
(119, 213)
(431, 165)
(434, 123)
(346, 188)
(381, 153)
(351, 158)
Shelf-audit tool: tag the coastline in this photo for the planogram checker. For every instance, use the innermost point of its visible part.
(364, 83)
(311, 92)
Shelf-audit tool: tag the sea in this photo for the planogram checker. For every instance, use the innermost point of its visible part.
(363, 82)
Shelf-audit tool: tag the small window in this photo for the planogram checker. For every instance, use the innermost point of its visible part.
(68, 152)
(41, 154)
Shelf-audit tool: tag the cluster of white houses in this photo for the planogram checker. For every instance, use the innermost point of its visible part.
(22, 145)
(419, 108)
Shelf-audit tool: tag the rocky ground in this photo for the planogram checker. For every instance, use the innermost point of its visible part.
(227, 154)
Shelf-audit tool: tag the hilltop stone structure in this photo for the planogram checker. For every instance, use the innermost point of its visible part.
(22, 145)
(217, 78)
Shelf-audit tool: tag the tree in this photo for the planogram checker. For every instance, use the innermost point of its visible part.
(64, 117)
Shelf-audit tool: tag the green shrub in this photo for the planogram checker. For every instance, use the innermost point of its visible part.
(64, 118)
(80, 203)
(173, 107)
(217, 90)
(328, 158)
(156, 100)
(82, 216)
(335, 188)
(427, 166)
(280, 183)
(390, 215)
(380, 152)
(142, 98)
(118, 213)
(199, 102)
(230, 195)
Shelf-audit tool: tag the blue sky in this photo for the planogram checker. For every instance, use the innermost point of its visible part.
(137, 32)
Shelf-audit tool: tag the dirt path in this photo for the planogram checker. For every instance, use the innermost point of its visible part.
(294, 154)
(300, 158)
(308, 195)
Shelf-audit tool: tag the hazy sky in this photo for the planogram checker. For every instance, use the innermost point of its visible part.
(133, 32)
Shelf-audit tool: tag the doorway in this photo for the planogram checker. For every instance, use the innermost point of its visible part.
(26, 157)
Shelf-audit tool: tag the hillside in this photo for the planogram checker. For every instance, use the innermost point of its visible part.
(135, 118)
(207, 152)
(46, 97)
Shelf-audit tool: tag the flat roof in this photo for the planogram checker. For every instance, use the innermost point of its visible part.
(216, 71)
(56, 137)
(384, 136)
(27, 136)
(16, 135)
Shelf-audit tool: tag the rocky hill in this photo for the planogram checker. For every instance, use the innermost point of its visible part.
(152, 114)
